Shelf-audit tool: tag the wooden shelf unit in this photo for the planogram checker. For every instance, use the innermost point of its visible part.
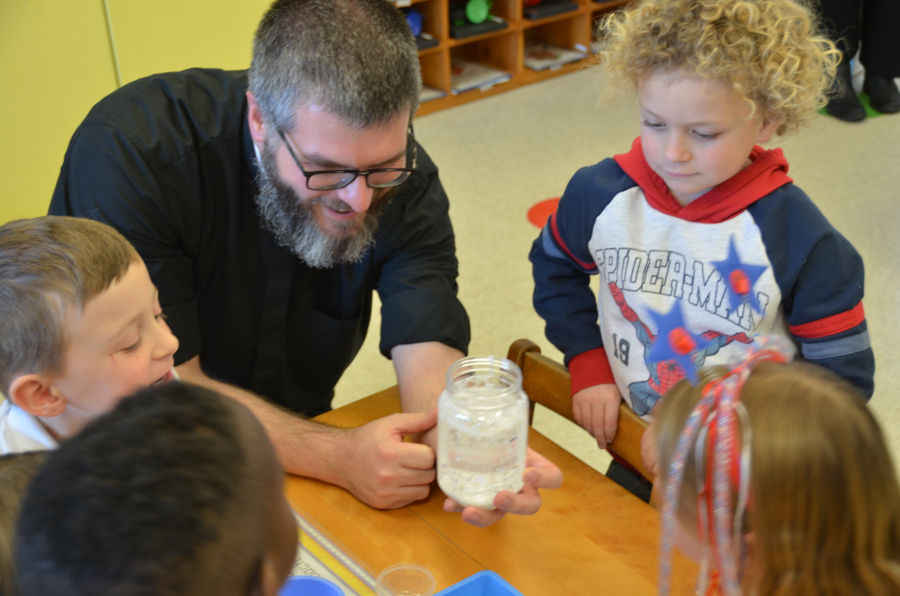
(504, 48)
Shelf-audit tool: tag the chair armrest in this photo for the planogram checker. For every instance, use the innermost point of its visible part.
(548, 383)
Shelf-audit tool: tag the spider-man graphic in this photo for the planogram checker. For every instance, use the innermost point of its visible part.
(663, 375)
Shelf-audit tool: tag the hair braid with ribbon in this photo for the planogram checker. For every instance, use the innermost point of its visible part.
(723, 466)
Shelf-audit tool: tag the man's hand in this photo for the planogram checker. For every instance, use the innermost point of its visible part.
(648, 450)
(540, 472)
(381, 469)
(596, 410)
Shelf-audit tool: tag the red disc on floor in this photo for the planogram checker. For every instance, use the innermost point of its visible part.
(539, 212)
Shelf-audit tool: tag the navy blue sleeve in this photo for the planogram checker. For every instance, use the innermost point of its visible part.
(562, 263)
(821, 277)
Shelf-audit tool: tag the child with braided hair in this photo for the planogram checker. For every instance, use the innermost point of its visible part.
(776, 478)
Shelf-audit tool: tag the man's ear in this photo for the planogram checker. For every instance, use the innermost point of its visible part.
(255, 120)
(37, 395)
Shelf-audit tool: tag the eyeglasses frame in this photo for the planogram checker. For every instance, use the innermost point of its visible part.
(410, 149)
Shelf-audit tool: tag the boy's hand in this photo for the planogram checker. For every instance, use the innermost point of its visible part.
(648, 451)
(540, 472)
(596, 410)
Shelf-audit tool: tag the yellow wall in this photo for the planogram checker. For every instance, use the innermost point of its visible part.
(56, 61)
(166, 35)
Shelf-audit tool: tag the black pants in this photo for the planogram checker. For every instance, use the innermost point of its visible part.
(874, 23)
(633, 483)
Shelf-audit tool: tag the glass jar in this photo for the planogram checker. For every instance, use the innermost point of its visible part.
(482, 431)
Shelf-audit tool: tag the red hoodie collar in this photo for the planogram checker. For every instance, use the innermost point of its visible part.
(767, 172)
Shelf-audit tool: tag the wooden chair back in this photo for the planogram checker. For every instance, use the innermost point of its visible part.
(548, 383)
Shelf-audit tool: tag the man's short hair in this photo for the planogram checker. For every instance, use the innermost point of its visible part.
(49, 264)
(16, 471)
(156, 497)
(355, 58)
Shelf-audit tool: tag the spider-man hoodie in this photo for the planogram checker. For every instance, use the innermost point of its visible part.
(619, 220)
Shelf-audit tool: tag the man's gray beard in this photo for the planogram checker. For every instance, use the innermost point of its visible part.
(292, 220)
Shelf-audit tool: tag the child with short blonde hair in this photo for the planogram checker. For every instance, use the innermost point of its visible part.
(80, 328)
(714, 79)
(809, 485)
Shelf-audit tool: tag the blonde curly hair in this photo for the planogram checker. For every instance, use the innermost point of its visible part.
(770, 51)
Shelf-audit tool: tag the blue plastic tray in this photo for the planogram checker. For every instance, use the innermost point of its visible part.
(483, 583)
(304, 585)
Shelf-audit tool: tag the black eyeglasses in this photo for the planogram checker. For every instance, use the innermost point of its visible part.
(377, 178)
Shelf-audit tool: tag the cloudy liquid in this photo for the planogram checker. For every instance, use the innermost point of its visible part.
(480, 453)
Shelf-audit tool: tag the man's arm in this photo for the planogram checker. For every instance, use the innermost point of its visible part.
(371, 462)
(422, 376)
(422, 319)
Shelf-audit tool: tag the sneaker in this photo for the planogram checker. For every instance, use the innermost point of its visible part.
(844, 103)
(883, 94)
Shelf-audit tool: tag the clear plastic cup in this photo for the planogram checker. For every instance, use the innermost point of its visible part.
(405, 579)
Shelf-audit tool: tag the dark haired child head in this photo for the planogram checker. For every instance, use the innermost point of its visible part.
(80, 328)
(16, 471)
(176, 491)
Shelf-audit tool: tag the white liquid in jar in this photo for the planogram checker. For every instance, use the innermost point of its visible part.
(481, 453)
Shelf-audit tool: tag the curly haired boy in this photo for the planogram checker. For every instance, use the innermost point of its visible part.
(714, 79)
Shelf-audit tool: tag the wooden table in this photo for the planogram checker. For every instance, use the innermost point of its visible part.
(590, 536)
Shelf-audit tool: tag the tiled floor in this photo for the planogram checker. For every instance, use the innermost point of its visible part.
(501, 155)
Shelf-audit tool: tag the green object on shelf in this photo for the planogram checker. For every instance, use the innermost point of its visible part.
(477, 10)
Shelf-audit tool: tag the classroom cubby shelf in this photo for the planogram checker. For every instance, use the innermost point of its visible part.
(502, 49)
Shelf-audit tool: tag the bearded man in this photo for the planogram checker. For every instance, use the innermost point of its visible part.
(268, 206)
